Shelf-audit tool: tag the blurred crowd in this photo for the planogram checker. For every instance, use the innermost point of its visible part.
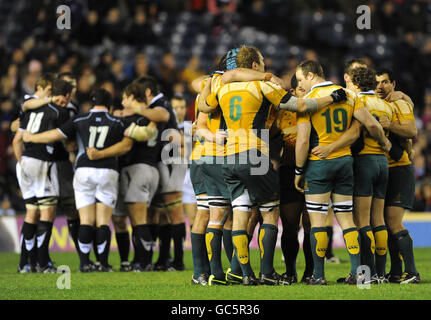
(112, 42)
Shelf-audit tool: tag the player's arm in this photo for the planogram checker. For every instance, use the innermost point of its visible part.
(346, 139)
(399, 95)
(196, 84)
(301, 152)
(373, 126)
(115, 150)
(141, 133)
(244, 74)
(207, 105)
(14, 126)
(49, 136)
(403, 128)
(311, 105)
(18, 145)
(156, 114)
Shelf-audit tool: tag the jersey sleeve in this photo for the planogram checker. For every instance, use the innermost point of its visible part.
(273, 92)
(358, 104)
(68, 129)
(403, 110)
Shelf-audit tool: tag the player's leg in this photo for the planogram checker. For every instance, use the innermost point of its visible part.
(123, 240)
(306, 247)
(227, 237)
(330, 257)
(201, 269)
(44, 231)
(87, 217)
(157, 215)
(380, 231)
(103, 235)
(28, 237)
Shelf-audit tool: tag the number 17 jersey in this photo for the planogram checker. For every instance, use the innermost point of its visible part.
(97, 129)
(329, 123)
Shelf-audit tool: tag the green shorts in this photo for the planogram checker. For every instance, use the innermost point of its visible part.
(288, 192)
(257, 175)
(197, 178)
(371, 175)
(401, 187)
(333, 175)
(212, 174)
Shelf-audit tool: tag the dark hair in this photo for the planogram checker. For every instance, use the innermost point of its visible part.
(61, 88)
(137, 90)
(348, 64)
(101, 97)
(293, 82)
(382, 71)
(66, 75)
(44, 80)
(178, 96)
(149, 82)
(311, 66)
(363, 78)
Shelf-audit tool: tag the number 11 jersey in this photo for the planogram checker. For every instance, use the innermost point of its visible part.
(97, 129)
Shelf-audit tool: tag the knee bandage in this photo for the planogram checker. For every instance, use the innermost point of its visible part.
(318, 207)
(243, 202)
(270, 206)
(47, 202)
(345, 206)
(202, 202)
(31, 204)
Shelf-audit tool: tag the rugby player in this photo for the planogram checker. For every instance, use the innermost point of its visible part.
(331, 178)
(239, 101)
(37, 170)
(401, 183)
(95, 181)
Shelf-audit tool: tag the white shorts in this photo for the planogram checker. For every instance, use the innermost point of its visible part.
(91, 184)
(171, 177)
(138, 183)
(37, 178)
(188, 192)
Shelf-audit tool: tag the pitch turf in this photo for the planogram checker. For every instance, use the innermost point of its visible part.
(176, 285)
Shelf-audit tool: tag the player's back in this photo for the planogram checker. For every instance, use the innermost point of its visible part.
(330, 122)
(97, 129)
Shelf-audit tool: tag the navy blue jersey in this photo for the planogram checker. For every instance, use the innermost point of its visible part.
(141, 152)
(96, 129)
(39, 120)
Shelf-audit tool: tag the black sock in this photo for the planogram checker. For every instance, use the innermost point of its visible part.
(368, 248)
(103, 240)
(165, 236)
(179, 236)
(290, 248)
(330, 232)
(137, 253)
(306, 246)
(227, 243)
(123, 243)
(154, 229)
(74, 231)
(28, 239)
(405, 244)
(144, 241)
(96, 252)
(85, 242)
(43, 234)
(394, 254)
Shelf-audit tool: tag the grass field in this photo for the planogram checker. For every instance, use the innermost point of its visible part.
(176, 285)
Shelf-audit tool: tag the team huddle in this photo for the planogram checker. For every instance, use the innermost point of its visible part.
(258, 153)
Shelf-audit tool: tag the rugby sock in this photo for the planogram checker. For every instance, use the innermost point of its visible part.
(227, 243)
(179, 236)
(206, 262)
(85, 242)
(381, 237)
(96, 253)
(154, 229)
(306, 247)
(394, 253)
(144, 243)
(330, 231)
(27, 242)
(405, 244)
(165, 236)
(318, 244)
(351, 239)
(198, 247)
(73, 226)
(240, 245)
(213, 240)
(43, 235)
(368, 248)
(123, 243)
(136, 249)
(267, 241)
(290, 248)
(235, 265)
(103, 241)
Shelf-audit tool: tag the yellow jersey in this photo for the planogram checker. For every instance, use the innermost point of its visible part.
(246, 107)
(330, 122)
(215, 122)
(403, 111)
(378, 108)
(197, 146)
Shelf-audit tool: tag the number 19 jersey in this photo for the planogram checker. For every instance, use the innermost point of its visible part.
(97, 129)
(329, 123)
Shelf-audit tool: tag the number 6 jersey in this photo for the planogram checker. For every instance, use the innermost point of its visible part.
(96, 129)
